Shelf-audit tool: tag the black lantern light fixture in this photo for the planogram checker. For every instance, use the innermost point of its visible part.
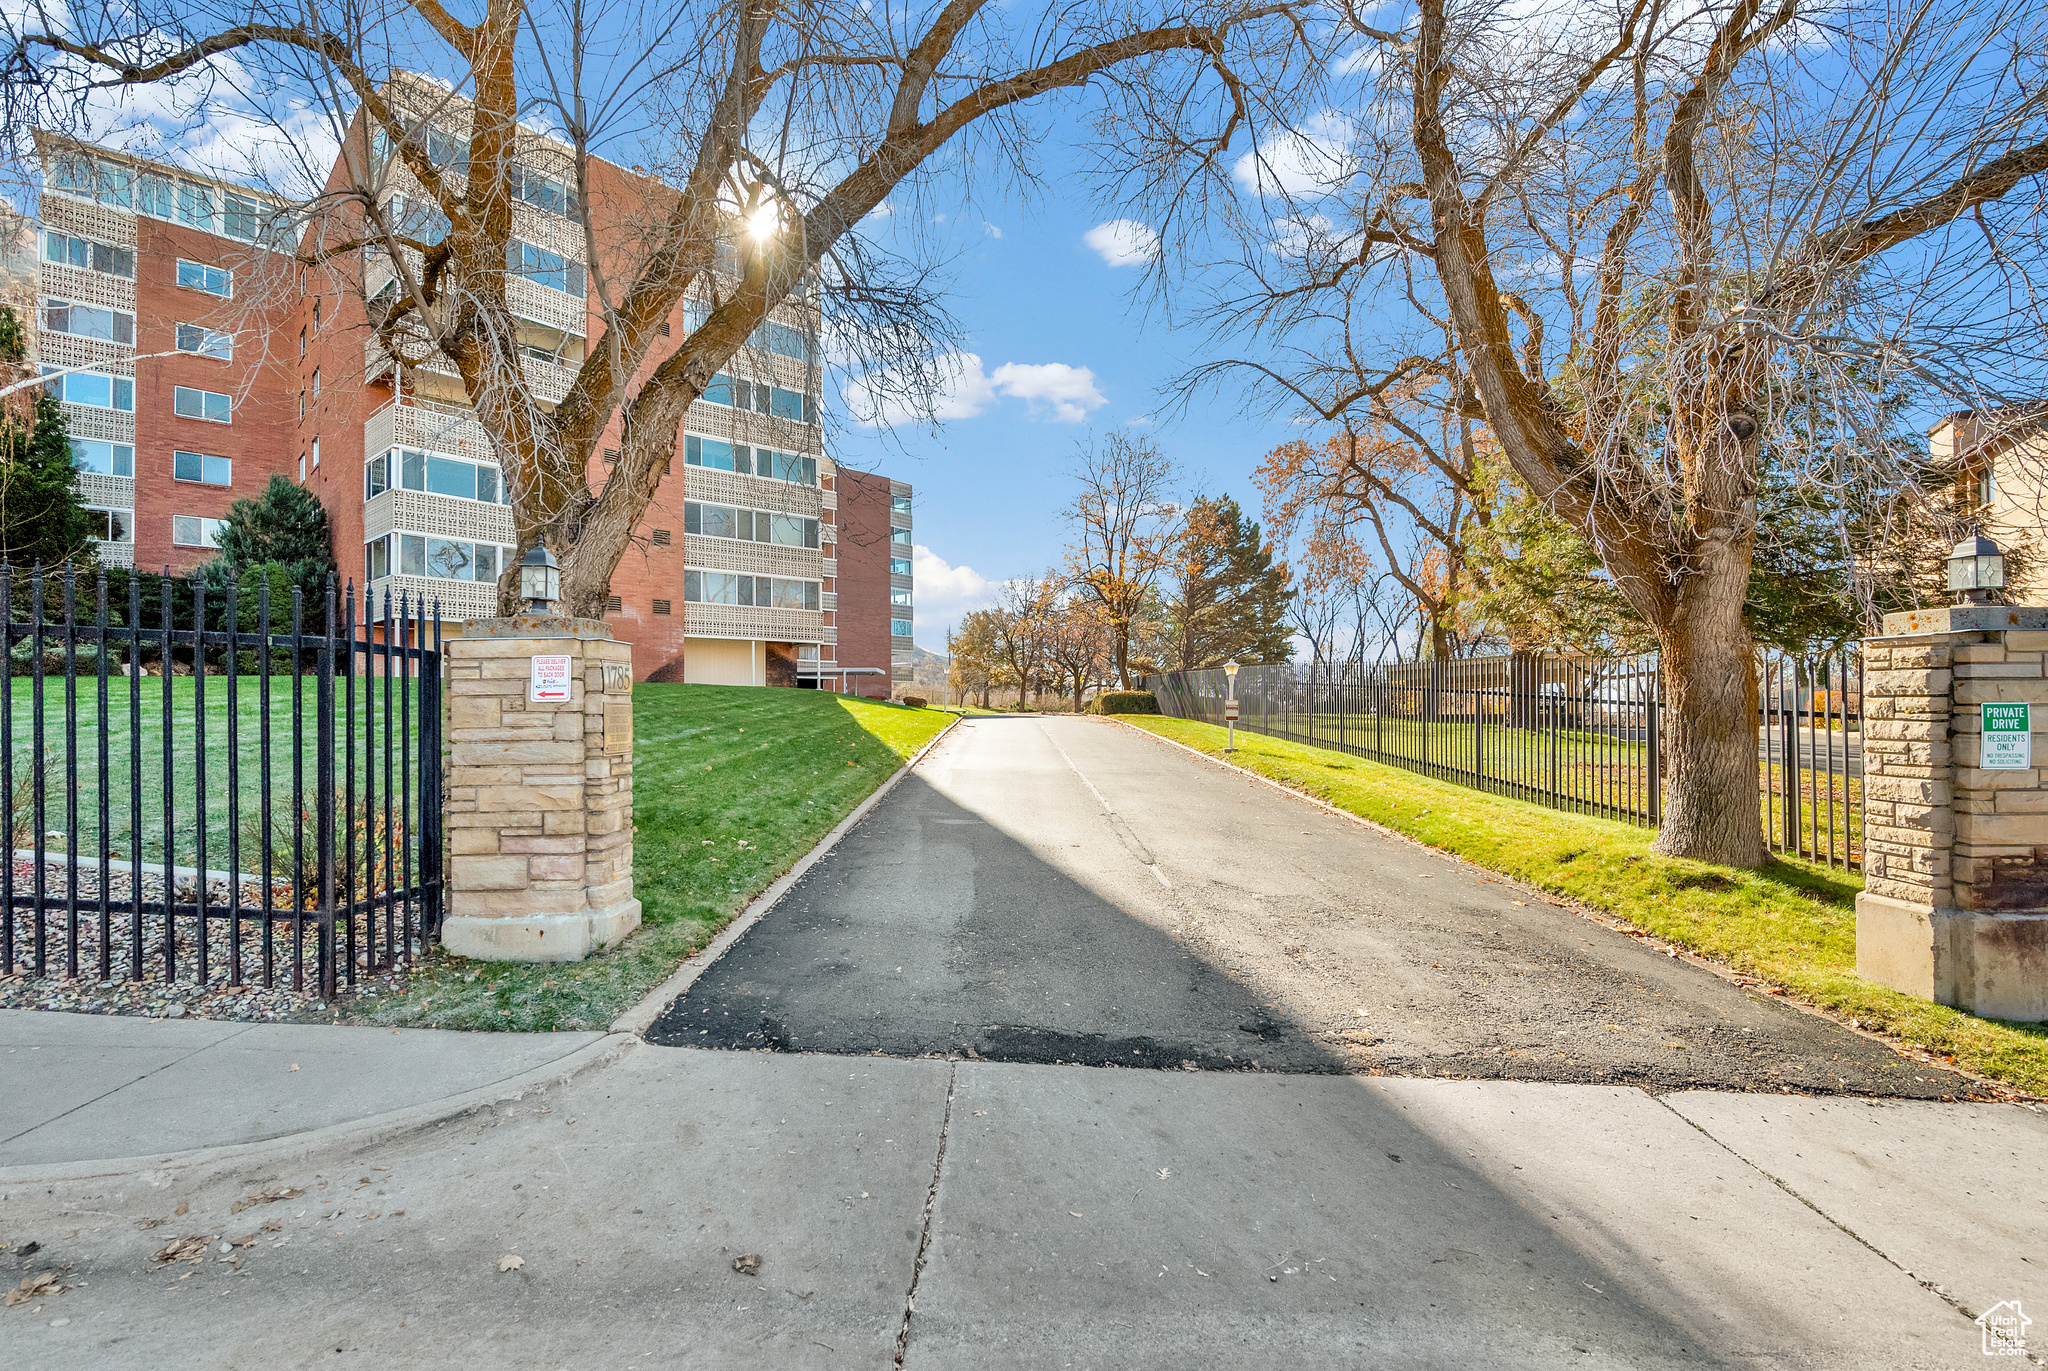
(1975, 569)
(540, 579)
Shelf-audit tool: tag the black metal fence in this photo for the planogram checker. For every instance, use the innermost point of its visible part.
(1576, 733)
(295, 765)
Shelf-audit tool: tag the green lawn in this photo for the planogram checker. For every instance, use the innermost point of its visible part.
(184, 734)
(731, 786)
(1791, 924)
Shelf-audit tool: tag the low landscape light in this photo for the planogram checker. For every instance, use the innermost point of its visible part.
(1230, 704)
(1975, 569)
(540, 579)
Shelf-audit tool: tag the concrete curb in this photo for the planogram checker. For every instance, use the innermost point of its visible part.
(641, 1016)
(270, 1153)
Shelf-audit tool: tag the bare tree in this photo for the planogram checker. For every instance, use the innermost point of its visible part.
(1649, 233)
(1124, 525)
(1077, 645)
(765, 134)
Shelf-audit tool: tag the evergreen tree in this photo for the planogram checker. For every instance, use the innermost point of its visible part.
(41, 519)
(1228, 598)
(284, 526)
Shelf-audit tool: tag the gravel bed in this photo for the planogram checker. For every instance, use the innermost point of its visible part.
(154, 996)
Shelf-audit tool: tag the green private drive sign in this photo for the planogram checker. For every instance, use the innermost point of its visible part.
(2008, 738)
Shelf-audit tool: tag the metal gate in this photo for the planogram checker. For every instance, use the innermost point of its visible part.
(244, 795)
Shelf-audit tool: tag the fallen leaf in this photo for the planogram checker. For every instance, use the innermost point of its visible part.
(749, 1265)
(183, 1208)
(246, 1240)
(1165, 1172)
(34, 1288)
(1075, 1212)
(272, 1226)
(294, 1066)
(510, 1262)
(192, 1247)
(271, 1196)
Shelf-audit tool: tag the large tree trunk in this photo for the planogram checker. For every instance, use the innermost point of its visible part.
(1711, 811)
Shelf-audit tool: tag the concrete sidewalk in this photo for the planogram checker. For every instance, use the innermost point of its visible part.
(992, 1215)
(88, 1087)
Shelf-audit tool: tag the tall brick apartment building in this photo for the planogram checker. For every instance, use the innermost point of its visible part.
(207, 362)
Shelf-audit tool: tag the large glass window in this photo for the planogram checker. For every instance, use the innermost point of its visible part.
(156, 195)
(900, 628)
(899, 566)
(109, 525)
(89, 321)
(899, 535)
(199, 276)
(189, 530)
(900, 597)
(899, 504)
(91, 388)
(761, 398)
(196, 206)
(542, 192)
(242, 217)
(91, 179)
(419, 220)
(434, 474)
(205, 469)
(65, 250)
(544, 268)
(105, 459)
(202, 404)
(206, 342)
(749, 525)
(759, 592)
(450, 559)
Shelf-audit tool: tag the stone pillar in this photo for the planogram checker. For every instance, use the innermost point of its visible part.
(540, 790)
(1955, 901)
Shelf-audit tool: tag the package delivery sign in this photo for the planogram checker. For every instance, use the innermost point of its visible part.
(2008, 738)
(550, 681)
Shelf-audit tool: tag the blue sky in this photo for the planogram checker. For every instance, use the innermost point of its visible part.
(1041, 302)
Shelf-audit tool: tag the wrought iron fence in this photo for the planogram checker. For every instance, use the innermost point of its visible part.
(1577, 733)
(296, 767)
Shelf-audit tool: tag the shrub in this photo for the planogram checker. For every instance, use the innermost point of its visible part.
(1124, 702)
(915, 701)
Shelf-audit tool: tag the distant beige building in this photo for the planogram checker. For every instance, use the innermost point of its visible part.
(2000, 459)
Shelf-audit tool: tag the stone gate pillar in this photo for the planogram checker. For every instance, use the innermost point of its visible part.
(539, 753)
(1955, 834)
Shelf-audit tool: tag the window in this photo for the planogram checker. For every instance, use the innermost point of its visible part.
(189, 530)
(87, 255)
(900, 597)
(761, 398)
(544, 268)
(749, 525)
(434, 474)
(899, 504)
(899, 628)
(240, 217)
(91, 388)
(109, 525)
(316, 452)
(316, 329)
(760, 592)
(449, 558)
(302, 352)
(213, 280)
(90, 179)
(418, 220)
(899, 566)
(542, 192)
(377, 559)
(718, 455)
(206, 342)
(1987, 488)
(155, 195)
(88, 321)
(899, 535)
(783, 341)
(316, 383)
(661, 606)
(207, 470)
(202, 404)
(442, 149)
(195, 206)
(104, 459)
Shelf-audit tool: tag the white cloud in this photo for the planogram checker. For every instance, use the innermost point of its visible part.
(1067, 392)
(1305, 162)
(964, 389)
(990, 229)
(944, 593)
(1123, 242)
(1139, 421)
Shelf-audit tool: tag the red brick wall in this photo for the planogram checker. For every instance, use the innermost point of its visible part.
(864, 580)
(258, 440)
